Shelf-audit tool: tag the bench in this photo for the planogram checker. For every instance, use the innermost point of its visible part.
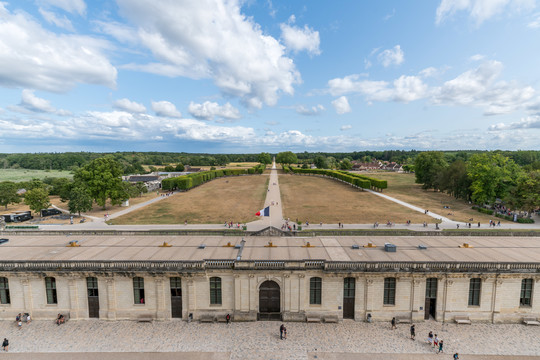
(223, 318)
(403, 319)
(331, 319)
(531, 321)
(145, 318)
(207, 319)
(313, 319)
(462, 320)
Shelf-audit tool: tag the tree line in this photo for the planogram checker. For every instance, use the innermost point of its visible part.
(483, 177)
(97, 182)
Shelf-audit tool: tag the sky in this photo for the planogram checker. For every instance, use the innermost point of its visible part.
(220, 76)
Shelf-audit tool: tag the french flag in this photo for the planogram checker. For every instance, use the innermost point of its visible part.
(264, 212)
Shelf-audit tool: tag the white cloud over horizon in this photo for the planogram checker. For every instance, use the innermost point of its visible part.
(208, 39)
(165, 109)
(209, 110)
(129, 106)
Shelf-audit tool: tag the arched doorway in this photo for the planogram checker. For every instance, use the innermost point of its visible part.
(269, 301)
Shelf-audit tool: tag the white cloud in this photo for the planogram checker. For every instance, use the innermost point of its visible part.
(530, 122)
(404, 89)
(535, 23)
(34, 103)
(478, 87)
(71, 6)
(394, 56)
(314, 110)
(129, 106)
(208, 110)
(341, 105)
(33, 57)
(298, 39)
(477, 57)
(213, 39)
(51, 18)
(166, 109)
(121, 32)
(480, 10)
(428, 72)
(345, 127)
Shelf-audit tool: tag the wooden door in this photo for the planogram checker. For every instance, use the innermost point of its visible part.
(93, 297)
(269, 298)
(349, 290)
(176, 297)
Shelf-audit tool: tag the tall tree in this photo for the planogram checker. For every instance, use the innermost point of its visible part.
(491, 175)
(286, 157)
(265, 158)
(427, 166)
(8, 193)
(345, 164)
(320, 162)
(525, 195)
(80, 200)
(37, 199)
(102, 178)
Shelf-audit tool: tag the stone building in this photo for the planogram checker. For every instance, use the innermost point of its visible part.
(117, 277)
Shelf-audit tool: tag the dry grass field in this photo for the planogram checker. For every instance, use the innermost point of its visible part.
(234, 199)
(402, 187)
(315, 199)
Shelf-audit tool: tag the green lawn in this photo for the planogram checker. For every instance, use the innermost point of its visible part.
(18, 175)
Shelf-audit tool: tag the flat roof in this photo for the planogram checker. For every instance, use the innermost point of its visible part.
(186, 248)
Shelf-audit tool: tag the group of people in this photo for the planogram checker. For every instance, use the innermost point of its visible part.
(492, 223)
(230, 224)
(60, 319)
(434, 341)
(20, 317)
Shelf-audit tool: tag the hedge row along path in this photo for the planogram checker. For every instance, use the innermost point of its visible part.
(273, 200)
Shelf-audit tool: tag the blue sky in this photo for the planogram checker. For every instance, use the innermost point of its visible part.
(250, 76)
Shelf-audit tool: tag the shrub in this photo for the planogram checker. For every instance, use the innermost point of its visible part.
(525, 221)
(483, 210)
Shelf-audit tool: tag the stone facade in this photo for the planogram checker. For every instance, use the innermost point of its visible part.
(499, 295)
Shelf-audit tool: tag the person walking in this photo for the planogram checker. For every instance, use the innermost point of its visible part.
(440, 347)
(413, 332)
(285, 333)
(436, 341)
(281, 329)
(393, 323)
(5, 345)
(430, 338)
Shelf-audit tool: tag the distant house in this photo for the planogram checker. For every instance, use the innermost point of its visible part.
(152, 182)
(190, 169)
(361, 166)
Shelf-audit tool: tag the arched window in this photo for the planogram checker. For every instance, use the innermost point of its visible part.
(389, 297)
(50, 289)
(215, 291)
(4, 291)
(315, 290)
(138, 290)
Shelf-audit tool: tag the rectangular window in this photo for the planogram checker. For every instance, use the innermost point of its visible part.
(475, 287)
(92, 286)
(315, 291)
(389, 291)
(176, 286)
(525, 298)
(50, 289)
(138, 290)
(4, 291)
(215, 291)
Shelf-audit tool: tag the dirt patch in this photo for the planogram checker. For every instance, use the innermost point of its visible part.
(314, 199)
(235, 199)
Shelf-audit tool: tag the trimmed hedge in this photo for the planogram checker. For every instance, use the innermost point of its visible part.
(186, 182)
(361, 181)
(525, 221)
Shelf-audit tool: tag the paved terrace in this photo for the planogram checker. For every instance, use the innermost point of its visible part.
(260, 340)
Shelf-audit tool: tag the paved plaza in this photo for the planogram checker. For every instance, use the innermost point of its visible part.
(260, 340)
